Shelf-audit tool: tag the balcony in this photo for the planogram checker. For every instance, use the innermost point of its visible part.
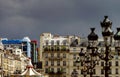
(55, 73)
(55, 58)
(56, 48)
(59, 72)
(51, 72)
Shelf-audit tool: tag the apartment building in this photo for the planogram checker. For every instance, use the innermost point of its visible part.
(99, 68)
(23, 44)
(59, 57)
(55, 51)
(12, 61)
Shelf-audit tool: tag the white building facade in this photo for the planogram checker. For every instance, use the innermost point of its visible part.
(58, 62)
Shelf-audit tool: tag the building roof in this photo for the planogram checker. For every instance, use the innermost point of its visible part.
(16, 41)
(11, 41)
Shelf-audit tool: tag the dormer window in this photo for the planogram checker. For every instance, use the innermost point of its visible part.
(52, 42)
(18, 51)
(64, 42)
(47, 42)
(58, 42)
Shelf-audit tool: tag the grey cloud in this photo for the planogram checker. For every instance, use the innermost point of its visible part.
(19, 18)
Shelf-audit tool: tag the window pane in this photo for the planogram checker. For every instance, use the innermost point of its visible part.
(52, 63)
(58, 63)
(102, 71)
(58, 42)
(116, 63)
(117, 71)
(64, 63)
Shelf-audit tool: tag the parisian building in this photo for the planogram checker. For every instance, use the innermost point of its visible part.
(23, 44)
(55, 52)
(59, 54)
(27, 47)
(12, 61)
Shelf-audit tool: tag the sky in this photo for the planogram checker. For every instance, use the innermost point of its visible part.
(21, 18)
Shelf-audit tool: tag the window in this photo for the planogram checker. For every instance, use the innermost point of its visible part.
(102, 63)
(52, 55)
(117, 51)
(52, 69)
(52, 49)
(116, 63)
(117, 44)
(18, 51)
(116, 71)
(58, 49)
(46, 63)
(46, 55)
(110, 71)
(52, 63)
(58, 55)
(64, 70)
(81, 63)
(82, 71)
(58, 63)
(64, 42)
(74, 56)
(58, 69)
(102, 71)
(64, 55)
(58, 42)
(24, 46)
(74, 49)
(64, 63)
(46, 70)
(116, 56)
(74, 64)
(110, 63)
(94, 71)
(52, 42)
(47, 42)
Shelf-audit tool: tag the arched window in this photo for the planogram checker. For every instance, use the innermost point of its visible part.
(64, 42)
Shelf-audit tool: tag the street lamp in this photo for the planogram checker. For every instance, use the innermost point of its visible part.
(107, 34)
(92, 51)
(117, 41)
(89, 58)
(81, 59)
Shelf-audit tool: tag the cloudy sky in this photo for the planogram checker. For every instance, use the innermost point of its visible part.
(19, 18)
